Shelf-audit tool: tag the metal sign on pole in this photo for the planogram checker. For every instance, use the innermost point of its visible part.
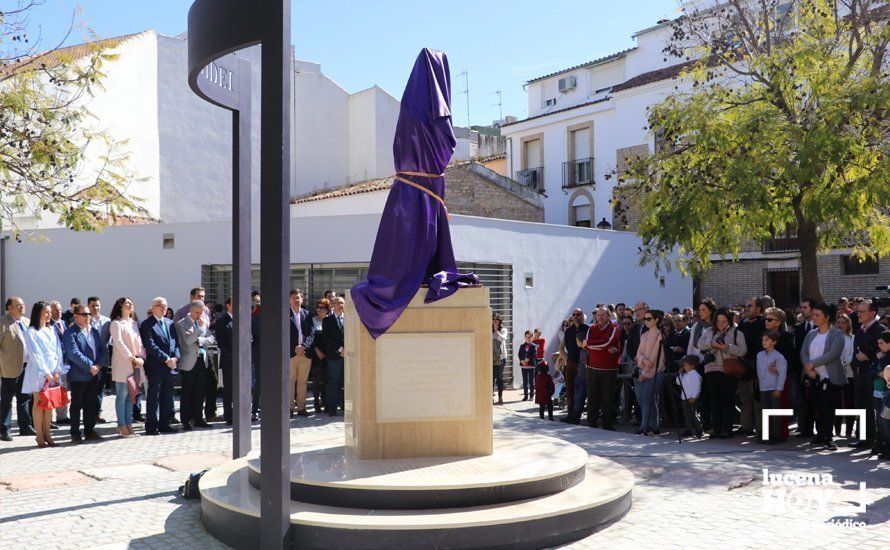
(227, 82)
(217, 28)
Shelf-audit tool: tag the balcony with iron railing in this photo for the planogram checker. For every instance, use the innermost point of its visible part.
(533, 178)
(784, 241)
(576, 173)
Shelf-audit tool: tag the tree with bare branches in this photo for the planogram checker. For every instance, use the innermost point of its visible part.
(53, 162)
(778, 122)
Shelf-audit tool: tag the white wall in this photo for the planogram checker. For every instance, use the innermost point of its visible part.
(350, 205)
(373, 115)
(195, 143)
(321, 139)
(572, 267)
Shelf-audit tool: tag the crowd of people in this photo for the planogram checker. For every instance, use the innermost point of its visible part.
(65, 361)
(713, 369)
(723, 366)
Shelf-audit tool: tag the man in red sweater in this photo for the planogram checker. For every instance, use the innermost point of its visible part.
(603, 347)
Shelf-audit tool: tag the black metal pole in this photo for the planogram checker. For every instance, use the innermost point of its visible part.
(275, 262)
(241, 260)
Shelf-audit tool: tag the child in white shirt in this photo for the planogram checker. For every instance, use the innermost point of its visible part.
(689, 381)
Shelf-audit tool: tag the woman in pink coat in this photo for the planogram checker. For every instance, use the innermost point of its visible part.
(126, 360)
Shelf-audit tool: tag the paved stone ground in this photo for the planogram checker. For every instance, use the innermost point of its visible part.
(121, 493)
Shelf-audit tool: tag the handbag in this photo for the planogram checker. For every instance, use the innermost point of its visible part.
(132, 387)
(52, 397)
(733, 366)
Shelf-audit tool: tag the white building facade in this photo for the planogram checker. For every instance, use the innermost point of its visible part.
(582, 122)
(179, 146)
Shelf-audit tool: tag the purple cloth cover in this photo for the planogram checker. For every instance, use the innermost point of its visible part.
(413, 245)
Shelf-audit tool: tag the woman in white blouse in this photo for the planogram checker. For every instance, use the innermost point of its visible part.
(126, 359)
(45, 366)
(847, 393)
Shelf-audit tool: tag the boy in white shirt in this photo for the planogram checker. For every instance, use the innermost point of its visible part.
(771, 371)
(689, 380)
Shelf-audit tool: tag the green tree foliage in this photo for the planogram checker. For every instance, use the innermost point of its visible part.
(53, 162)
(778, 120)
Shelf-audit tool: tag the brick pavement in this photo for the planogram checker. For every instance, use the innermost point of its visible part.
(121, 493)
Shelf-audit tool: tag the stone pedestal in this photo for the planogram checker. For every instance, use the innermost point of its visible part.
(423, 389)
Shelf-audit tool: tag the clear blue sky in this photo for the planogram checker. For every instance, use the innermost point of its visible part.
(359, 43)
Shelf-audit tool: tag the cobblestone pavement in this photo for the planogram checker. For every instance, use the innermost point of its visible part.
(121, 493)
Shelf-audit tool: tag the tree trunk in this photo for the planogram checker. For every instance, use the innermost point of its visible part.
(809, 273)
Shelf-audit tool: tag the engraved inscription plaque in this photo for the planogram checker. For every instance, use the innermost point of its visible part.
(425, 376)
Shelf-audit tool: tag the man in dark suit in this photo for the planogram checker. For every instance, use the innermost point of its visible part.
(85, 353)
(162, 355)
(752, 326)
(865, 369)
(802, 399)
(255, 365)
(59, 327)
(224, 337)
(68, 316)
(332, 336)
(300, 363)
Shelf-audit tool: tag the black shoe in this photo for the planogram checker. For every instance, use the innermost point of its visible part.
(655, 432)
(168, 430)
(5, 437)
(64, 422)
(699, 434)
(53, 426)
(229, 423)
(525, 398)
(26, 431)
(816, 441)
(152, 432)
(830, 446)
(93, 436)
(202, 424)
(885, 455)
(640, 432)
(174, 420)
(186, 427)
(862, 444)
(714, 435)
(100, 420)
(138, 417)
(687, 433)
(302, 412)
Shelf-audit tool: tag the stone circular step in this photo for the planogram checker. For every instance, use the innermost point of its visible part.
(520, 467)
(230, 508)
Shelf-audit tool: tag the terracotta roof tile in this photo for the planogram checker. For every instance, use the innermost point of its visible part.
(654, 76)
(54, 58)
(609, 57)
(594, 102)
(353, 189)
(368, 186)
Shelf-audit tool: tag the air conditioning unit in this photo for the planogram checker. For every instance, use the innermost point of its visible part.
(568, 83)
